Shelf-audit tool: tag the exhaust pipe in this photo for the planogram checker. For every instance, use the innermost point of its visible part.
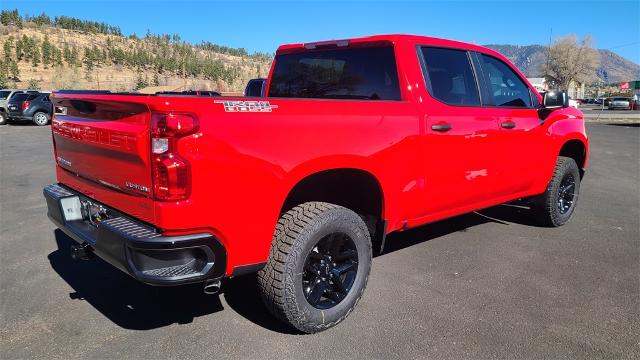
(81, 251)
(211, 287)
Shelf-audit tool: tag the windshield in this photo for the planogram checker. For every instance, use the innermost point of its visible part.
(367, 73)
(4, 94)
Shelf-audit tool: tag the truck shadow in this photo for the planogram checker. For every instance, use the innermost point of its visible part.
(133, 305)
(136, 306)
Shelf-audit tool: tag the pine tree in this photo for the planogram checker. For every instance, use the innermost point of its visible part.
(74, 56)
(8, 48)
(47, 51)
(35, 56)
(141, 82)
(57, 57)
(88, 60)
(20, 48)
(14, 72)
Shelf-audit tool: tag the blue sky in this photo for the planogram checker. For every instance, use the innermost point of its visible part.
(261, 26)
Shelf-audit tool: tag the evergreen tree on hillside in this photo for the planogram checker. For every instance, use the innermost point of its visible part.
(4, 75)
(14, 72)
(88, 60)
(35, 56)
(40, 20)
(11, 17)
(21, 45)
(8, 48)
(57, 56)
(47, 52)
(70, 55)
(141, 82)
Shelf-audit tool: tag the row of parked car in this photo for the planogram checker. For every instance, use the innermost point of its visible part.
(18, 105)
(612, 103)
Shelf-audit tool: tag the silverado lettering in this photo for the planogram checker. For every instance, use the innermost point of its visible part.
(247, 106)
(94, 135)
(372, 135)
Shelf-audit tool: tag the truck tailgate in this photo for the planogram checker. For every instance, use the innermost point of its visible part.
(103, 147)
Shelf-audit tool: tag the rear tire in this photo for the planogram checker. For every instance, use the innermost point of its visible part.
(318, 266)
(556, 205)
(3, 118)
(41, 118)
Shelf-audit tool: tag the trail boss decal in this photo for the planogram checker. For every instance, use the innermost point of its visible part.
(246, 106)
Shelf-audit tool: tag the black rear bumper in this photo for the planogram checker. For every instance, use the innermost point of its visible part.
(137, 248)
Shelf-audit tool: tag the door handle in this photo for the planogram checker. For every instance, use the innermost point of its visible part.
(508, 125)
(441, 127)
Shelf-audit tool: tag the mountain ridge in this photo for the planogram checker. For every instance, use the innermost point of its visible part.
(613, 68)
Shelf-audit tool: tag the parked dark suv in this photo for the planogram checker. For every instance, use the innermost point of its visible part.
(30, 107)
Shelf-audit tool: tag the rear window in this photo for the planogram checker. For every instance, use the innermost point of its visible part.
(4, 94)
(367, 73)
(19, 97)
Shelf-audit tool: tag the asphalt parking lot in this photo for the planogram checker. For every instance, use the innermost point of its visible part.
(482, 285)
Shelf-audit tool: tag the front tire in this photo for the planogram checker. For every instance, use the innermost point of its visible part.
(556, 205)
(41, 118)
(318, 266)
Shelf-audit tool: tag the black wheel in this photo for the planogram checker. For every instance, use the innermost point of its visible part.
(556, 205)
(3, 118)
(41, 118)
(318, 266)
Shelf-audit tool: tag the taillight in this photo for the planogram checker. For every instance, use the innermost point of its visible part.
(25, 105)
(171, 173)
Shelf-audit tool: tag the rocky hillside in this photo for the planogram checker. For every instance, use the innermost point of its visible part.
(613, 67)
(67, 53)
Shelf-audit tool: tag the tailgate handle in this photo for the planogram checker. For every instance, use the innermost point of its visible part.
(441, 127)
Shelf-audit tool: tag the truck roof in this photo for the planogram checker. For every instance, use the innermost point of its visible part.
(394, 39)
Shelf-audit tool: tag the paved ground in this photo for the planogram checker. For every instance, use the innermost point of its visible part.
(477, 286)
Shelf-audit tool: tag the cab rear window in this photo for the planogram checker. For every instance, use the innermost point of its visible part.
(366, 73)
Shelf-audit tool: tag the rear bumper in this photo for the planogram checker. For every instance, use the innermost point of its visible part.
(138, 249)
(14, 115)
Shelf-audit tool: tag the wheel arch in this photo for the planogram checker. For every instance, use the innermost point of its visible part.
(354, 188)
(577, 150)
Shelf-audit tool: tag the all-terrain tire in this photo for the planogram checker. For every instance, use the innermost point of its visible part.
(556, 205)
(297, 234)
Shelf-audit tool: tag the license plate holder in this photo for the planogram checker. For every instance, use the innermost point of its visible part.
(71, 208)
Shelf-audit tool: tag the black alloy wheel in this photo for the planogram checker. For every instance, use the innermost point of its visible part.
(566, 193)
(330, 270)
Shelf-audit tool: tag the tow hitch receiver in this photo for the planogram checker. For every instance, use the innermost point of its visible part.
(81, 251)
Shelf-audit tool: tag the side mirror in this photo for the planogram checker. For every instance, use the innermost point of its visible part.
(554, 99)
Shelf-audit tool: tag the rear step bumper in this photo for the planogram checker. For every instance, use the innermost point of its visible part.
(138, 249)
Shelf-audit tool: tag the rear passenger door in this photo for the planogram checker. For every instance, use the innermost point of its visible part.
(515, 107)
(460, 135)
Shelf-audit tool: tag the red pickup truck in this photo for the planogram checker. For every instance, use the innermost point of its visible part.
(354, 139)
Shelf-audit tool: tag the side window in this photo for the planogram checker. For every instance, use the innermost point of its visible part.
(504, 85)
(450, 77)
